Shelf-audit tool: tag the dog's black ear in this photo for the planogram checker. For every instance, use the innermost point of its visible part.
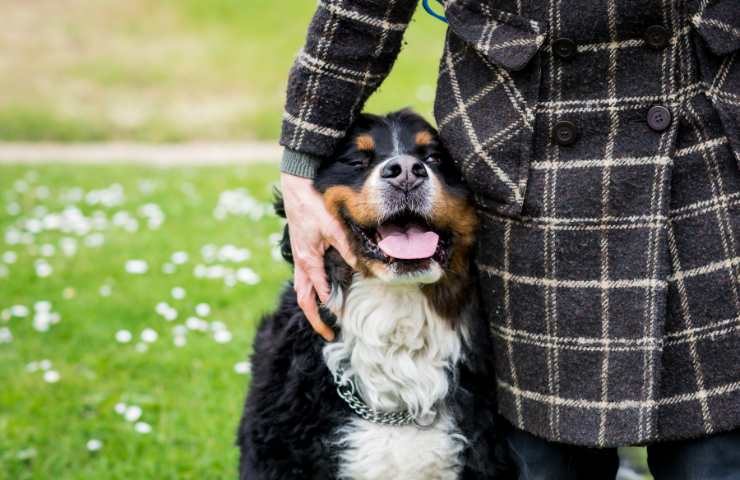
(277, 203)
(285, 249)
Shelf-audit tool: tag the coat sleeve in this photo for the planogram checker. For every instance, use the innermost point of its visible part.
(350, 48)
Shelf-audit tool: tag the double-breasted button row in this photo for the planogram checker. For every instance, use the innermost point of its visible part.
(565, 132)
(656, 36)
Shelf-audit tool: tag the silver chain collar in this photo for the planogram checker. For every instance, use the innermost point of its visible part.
(348, 392)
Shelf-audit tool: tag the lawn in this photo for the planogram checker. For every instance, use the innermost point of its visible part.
(128, 300)
(171, 70)
(75, 243)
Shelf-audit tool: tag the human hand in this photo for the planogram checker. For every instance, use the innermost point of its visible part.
(312, 230)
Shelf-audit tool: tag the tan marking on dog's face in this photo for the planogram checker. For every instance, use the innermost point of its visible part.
(361, 207)
(423, 138)
(457, 215)
(365, 142)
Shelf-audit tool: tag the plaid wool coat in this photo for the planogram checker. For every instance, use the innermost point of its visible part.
(601, 141)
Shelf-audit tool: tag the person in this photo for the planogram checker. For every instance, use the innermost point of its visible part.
(601, 142)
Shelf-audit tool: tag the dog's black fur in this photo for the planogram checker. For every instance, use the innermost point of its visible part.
(292, 413)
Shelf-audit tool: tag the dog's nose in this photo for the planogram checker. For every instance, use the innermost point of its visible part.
(405, 172)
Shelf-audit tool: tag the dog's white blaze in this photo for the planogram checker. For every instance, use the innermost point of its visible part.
(378, 188)
(398, 351)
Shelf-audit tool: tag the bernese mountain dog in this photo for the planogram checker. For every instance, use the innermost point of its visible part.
(406, 390)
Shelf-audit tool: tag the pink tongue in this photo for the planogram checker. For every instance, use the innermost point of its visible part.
(411, 244)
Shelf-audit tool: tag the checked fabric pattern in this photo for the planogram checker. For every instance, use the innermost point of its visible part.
(609, 268)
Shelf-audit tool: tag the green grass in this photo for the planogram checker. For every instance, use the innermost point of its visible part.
(36, 123)
(176, 70)
(191, 396)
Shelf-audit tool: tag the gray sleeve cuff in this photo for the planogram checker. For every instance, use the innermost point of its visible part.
(299, 164)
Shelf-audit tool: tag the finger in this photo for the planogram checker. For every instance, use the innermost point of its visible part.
(317, 276)
(307, 302)
(338, 239)
(311, 310)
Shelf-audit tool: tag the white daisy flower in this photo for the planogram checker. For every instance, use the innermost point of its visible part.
(178, 293)
(43, 269)
(51, 376)
(222, 336)
(178, 258)
(42, 306)
(216, 326)
(248, 276)
(69, 246)
(120, 408)
(41, 322)
(195, 323)
(123, 336)
(243, 368)
(132, 413)
(6, 336)
(10, 257)
(162, 307)
(203, 309)
(94, 445)
(149, 335)
(200, 271)
(137, 267)
(142, 427)
(170, 314)
(180, 330)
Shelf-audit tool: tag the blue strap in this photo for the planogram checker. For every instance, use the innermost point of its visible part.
(431, 12)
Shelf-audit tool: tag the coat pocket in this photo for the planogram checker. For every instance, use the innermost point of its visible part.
(487, 92)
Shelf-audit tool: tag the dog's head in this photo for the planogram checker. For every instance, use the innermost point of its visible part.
(402, 203)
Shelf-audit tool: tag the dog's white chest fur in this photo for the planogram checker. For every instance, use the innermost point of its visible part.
(375, 452)
(399, 353)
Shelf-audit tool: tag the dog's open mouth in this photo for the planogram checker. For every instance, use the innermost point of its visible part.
(407, 239)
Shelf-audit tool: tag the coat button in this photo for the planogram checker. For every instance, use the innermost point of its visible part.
(564, 48)
(564, 133)
(658, 117)
(657, 36)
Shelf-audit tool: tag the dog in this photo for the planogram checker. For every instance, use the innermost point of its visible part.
(406, 390)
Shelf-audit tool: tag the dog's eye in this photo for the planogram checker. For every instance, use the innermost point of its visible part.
(356, 162)
(432, 160)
